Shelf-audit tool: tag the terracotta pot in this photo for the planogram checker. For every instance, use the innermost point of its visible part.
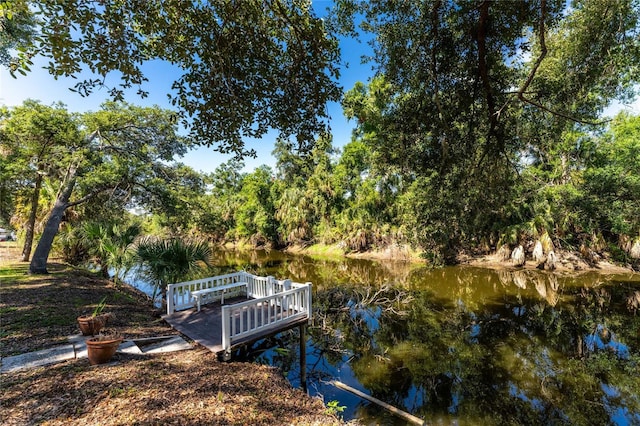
(101, 349)
(90, 325)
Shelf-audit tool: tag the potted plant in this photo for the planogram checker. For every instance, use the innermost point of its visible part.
(90, 325)
(102, 347)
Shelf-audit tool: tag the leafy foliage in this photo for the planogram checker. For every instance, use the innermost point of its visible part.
(111, 246)
(109, 157)
(241, 68)
(461, 96)
(166, 261)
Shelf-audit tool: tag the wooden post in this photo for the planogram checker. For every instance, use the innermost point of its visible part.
(303, 357)
(270, 284)
(270, 288)
(308, 294)
(226, 332)
(410, 418)
(170, 307)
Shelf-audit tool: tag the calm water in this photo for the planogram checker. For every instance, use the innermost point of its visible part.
(462, 345)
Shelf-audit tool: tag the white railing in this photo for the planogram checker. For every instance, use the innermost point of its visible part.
(253, 317)
(179, 294)
(258, 286)
(274, 303)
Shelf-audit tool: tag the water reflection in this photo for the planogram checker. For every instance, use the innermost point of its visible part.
(603, 339)
(463, 345)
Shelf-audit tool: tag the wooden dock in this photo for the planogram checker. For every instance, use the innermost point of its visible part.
(198, 310)
(205, 327)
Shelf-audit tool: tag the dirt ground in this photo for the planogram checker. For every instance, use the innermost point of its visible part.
(184, 388)
(179, 388)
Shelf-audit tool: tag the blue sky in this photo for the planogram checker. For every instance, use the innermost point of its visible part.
(40, 85)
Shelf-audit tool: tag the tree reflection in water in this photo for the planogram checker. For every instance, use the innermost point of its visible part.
(467, 345)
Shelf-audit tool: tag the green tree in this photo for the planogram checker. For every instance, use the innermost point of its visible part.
(611, 187)
(111, 246)
(174, 196)
(462, 95)
(293, 215)
(582, 189)
(122, 147)
(242, 67)
(17, 28)
(255, 214)
(305, 203)
(292, 166)
(352, 168)
(217, 217)
(34, 138)
(367, 196)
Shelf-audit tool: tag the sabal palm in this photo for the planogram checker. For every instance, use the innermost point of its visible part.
(111, 244)
(166, 261)
(292, 214)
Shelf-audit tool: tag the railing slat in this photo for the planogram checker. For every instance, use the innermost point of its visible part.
(226, 329)
(233, 324)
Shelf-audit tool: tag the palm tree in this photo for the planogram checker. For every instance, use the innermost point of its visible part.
(110, 244)
(166, 261)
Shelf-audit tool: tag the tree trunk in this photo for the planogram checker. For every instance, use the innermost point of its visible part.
(39, 261)
(4, 214)
(31, 224)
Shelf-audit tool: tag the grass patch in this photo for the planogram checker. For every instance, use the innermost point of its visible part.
(14, 271)
(325, 251)
(4, 310)
(122, 392)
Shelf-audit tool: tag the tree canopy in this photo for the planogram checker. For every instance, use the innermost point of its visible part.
(466, 89)
(242, 68)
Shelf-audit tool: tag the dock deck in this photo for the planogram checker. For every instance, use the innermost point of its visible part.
(205, 327)
(198, 309)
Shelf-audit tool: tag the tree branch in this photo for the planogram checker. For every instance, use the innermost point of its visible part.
(523, 89)
(562, 114)
(435, 23)
(86, 197)
(543, 51)
(481, 41)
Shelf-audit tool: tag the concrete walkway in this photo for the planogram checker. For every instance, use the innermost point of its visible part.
(77, 348)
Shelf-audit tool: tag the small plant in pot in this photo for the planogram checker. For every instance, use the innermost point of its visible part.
(101, 348)
(90, 325)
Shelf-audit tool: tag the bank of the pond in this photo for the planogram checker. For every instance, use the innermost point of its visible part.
(567, 261)
(394, 252)
(189, 387)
